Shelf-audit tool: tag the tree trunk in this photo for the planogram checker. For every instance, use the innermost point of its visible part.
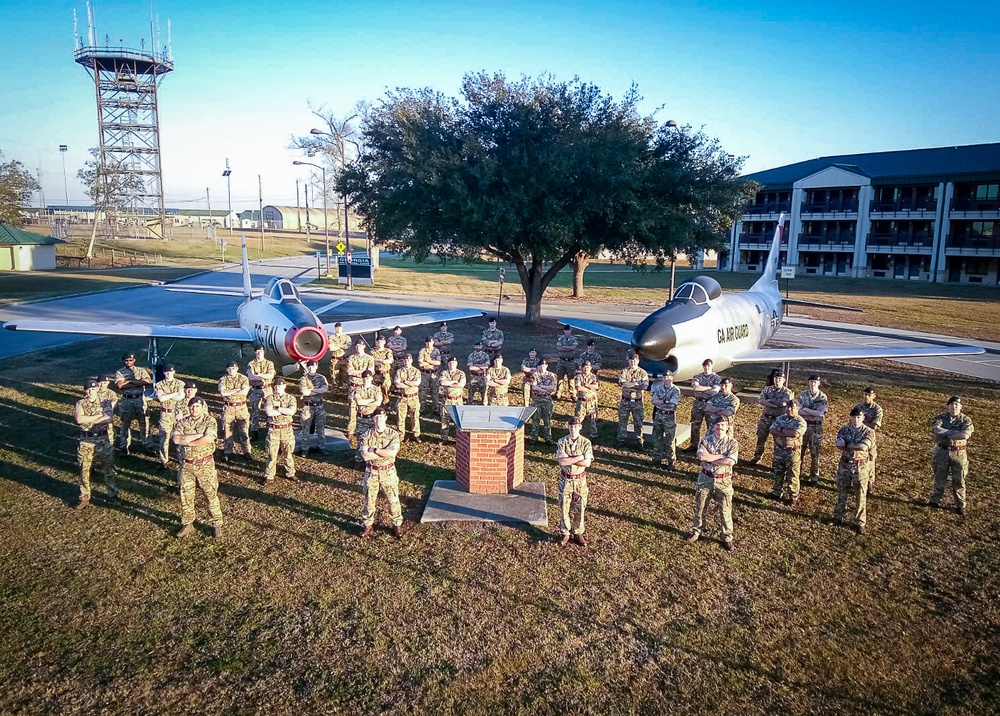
(580, 262)
(533, 297)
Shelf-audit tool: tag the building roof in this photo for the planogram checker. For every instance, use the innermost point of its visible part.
(13, 236)
(199, 212)
(969, 163)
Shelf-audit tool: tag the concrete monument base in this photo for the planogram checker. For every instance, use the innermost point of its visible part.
(336, 441)
(450, 502)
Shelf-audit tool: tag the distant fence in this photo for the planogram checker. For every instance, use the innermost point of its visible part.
(105, 257)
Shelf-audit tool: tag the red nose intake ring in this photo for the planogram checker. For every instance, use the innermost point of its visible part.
(306, 343)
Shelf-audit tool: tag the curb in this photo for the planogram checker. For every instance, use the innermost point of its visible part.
(18, 304)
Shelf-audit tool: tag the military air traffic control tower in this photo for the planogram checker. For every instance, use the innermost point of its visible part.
(130, 186)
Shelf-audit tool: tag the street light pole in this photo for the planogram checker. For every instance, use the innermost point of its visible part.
(229, 193)
(63, 148)
(326, 216)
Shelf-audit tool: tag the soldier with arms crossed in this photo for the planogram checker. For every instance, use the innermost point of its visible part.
(452, 393)
(169, 392)
(873, 415)
(543, 385)
(429, 363)
(408, 379)
(528, 367)
(951, 430)
(813, 406)
(479, 363)
(772, 401)
(855, 441)
(665, 397)
(340, 346)
(197, 434)
(234, 389)
(384, 359)
(94, 418)
(497, 382)
(787, 430)
(280, 408)
(718, 453)
(260, 373)
(633, 381)
(313, 389)
(566, 346)
(705, 385)
(379, 447)
(493, 339)
(132, 381)
(574, 453)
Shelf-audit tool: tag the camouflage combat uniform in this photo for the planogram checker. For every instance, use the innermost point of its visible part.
(363, 404)
(384, 360)
(715, 483)
(812, 441)
(429, 383)
(380, 473)
(132, 406)
(566, 346)
(873, 419)
(260, 390)
(631, 405)
(198, 469)
(573, 484)
(721, 401)
(408, 403)
(450, 395)
(787, 460)
(312, 419)
(497, 395)
(596, 362)
(543, 385)
(235, 413)
(280, 443)
(106, 395)
(712, 380)
(778, 396)
(397, 344)
(477, 380)
(358, 362)
(95, 445)
(445, 350)
(854, 471)
(168, 414)
(585, 387)
(951, 458)
(340, 344)
(492, 334)
(531, 364)
(664, 421)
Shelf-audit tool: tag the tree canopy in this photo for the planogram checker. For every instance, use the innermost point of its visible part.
(538, 173)
(16, 187)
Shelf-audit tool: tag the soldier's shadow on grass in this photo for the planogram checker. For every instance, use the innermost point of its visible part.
(15, 414)
(291, 504)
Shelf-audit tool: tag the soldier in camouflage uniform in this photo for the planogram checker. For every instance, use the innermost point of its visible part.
(718, 453)
(313, 389)
(665, 397)
(543, 385)
(873, 419)
(493, 340)
(452, 388)
(951, 431)
(633, 381)
(813, 409)
(197, 434)
(365, 400)
(397, 344)
(723, 404)
(234, 389)
(772, 401)
(384, 359)
(379, 447)
(574, 453)
(408, 379)
(132, 381)
(183, 410)
(357, 364)
(497, 382)
(280, 408)
(591, 354)
(260, 373)
(528, 366)
(479, 363)
(855, 441)
(94, 416)
(585, 389)
(787, 430)
(340, 346)
(566, 347)
(705, 385)
(443, 341)
(429, 363)
(169, 392)
(106, 395)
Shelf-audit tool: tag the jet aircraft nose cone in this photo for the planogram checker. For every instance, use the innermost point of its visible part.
(654, 338)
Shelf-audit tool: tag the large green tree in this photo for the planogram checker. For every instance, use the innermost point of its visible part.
(16, 187)
(536, 172)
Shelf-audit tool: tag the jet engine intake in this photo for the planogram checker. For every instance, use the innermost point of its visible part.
(306, 343)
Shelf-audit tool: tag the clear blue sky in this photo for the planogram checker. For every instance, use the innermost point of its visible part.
(779, 85)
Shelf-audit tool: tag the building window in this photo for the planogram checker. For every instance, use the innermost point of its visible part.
(987, 192)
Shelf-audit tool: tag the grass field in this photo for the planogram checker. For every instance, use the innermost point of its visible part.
(18, 286)
(105, 611)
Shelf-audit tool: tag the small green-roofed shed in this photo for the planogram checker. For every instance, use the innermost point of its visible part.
(22, 250)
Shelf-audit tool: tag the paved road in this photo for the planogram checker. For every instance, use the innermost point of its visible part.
(154, 304)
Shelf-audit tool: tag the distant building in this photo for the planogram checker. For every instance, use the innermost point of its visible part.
(294, 218)
(921, 214)
(22, 250)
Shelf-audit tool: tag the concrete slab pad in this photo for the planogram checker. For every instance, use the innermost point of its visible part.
(335, 440)
(481, 417)
(681, 434)
(448, 502)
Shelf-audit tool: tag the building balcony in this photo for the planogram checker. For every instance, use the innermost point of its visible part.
(847, 206)
(902, 243)
(972, 245)
(904, 206)
(969, 204)
(768, 207)
(759, 241)
(832, 241)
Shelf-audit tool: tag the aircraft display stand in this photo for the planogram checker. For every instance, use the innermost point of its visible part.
(489, 471)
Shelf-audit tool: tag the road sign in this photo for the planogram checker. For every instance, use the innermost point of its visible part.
(341, 246)
(787, 272)
(348, 257)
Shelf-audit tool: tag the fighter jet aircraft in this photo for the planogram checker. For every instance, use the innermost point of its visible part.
(701, 322)
(277, 319)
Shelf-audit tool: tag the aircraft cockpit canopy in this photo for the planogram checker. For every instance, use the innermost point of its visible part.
(281, 289)
(698, 291)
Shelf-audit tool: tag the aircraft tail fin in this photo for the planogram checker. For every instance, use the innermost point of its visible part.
(247, 293)
(769, 279)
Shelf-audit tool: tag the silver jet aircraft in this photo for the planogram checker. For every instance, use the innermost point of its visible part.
(701, 322)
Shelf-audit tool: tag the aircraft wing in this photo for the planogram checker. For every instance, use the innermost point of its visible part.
(622, 335)
(385, 323)
(235, 293)
(134, 330)
(793, 355)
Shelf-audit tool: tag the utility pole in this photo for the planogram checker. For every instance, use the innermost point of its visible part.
(308, 235)
(298, 212)
(260, 204)
(229, 192)
(63, 148)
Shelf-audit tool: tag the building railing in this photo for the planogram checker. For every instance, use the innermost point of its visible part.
(848, 206)
(924, 203)
(845, 238)
(967, 242)
(761, 239)
(768, 207)
(969, 204)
